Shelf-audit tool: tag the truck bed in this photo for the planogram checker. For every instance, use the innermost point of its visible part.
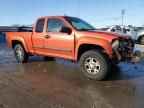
(24, 37)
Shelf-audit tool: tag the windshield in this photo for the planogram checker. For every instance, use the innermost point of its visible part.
(79, 24)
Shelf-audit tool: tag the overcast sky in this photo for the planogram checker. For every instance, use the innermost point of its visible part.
(99, 13)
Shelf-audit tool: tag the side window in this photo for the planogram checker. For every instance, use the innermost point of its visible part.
(55, 25)
(118, 28)
(40, 25)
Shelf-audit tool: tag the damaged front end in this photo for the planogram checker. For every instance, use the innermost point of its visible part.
(124, 50)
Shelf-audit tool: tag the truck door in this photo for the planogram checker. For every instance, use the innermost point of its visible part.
(57, 43)
(37, 37)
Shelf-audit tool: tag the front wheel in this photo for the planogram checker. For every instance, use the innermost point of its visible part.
(94, 65)
(20, 54)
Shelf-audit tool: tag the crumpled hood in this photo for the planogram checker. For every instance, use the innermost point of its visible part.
(104, 35)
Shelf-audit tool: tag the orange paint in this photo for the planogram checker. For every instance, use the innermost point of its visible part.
(61, 44)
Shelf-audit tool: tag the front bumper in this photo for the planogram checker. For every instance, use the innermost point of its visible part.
(124, 50)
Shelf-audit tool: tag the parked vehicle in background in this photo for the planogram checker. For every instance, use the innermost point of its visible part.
(4, 29)
(2, 37)
(140, 34)
(140, 28)
(74, 39)
(136, 33)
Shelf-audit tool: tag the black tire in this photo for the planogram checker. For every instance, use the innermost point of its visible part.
(142, 40)
(100, 59)
(20, 54)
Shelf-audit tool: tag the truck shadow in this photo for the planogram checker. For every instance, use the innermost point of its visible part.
(122, 71)
(118, 72)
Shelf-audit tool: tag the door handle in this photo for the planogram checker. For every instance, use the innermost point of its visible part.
(47, 36)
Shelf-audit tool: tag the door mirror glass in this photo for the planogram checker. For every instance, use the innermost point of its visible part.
(66, 30)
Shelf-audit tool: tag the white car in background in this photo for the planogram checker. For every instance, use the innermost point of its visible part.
(140, 31)
(136, 33)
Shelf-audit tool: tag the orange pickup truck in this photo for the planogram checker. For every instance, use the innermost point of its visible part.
(74, 39)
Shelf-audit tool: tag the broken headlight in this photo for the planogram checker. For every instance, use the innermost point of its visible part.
(123, 48)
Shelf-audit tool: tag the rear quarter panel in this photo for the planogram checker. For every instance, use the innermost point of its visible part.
(23, 37)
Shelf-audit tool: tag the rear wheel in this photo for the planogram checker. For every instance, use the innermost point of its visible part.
(20, 54)
(94, 65)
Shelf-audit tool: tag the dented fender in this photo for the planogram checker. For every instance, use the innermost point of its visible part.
(94, 41)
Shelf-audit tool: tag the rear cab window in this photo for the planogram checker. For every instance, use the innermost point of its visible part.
(40, 26)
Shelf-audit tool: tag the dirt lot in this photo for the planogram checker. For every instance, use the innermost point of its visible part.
(60, 84)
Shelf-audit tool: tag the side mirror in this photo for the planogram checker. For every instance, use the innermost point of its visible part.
(66, 30)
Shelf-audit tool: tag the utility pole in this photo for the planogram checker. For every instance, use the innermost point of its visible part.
(123, 12)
